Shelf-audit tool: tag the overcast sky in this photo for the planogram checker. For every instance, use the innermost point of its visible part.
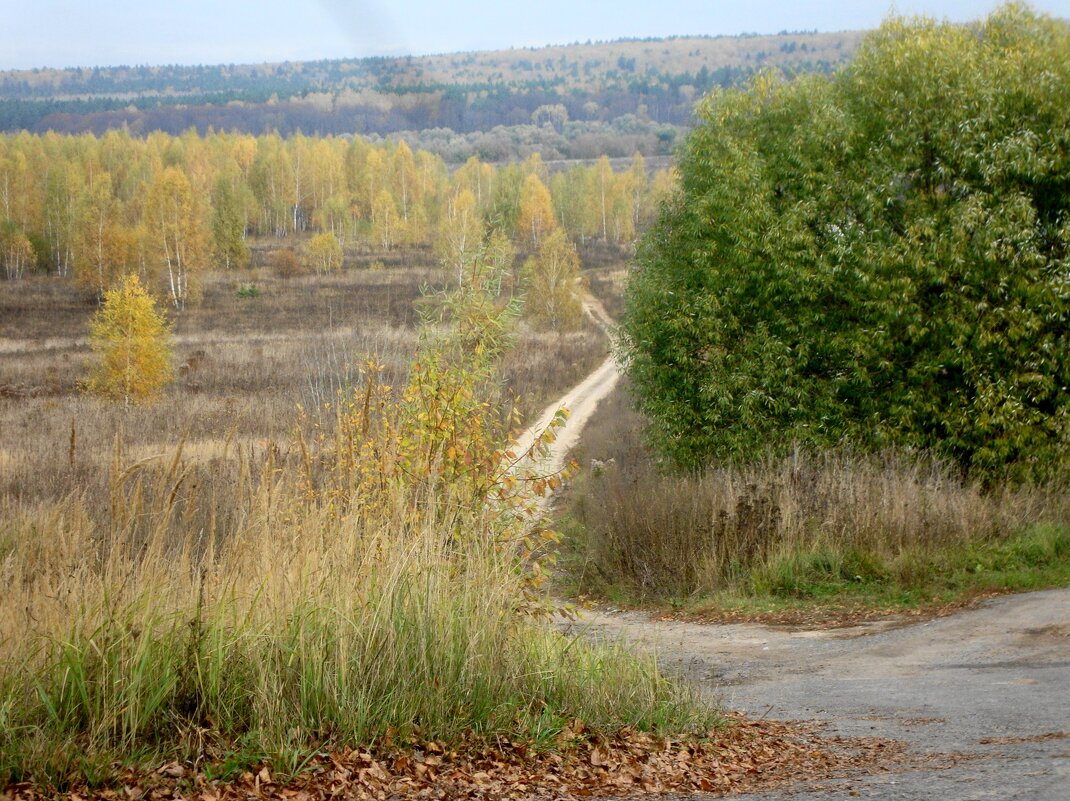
(63, 33)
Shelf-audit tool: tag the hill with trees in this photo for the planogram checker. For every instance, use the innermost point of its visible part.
(571, 101)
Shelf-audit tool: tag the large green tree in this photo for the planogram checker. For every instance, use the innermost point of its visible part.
(879, 257)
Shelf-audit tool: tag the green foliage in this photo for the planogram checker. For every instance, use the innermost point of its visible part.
(878, 257)
(228, 226)
(131, 341)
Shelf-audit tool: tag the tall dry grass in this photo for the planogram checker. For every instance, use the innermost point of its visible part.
(196, 595)
(300, 628)
(792, 526)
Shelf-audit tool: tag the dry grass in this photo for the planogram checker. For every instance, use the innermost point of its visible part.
(807, 525)
(541, 367)
(218, 608)
(243, 365)
(194, 579)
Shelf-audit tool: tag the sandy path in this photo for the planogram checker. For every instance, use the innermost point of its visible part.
(580, 401)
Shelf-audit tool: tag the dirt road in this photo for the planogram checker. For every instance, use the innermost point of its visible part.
(580, 401)
(982, 698)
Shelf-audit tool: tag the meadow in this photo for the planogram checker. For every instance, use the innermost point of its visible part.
(255, 349)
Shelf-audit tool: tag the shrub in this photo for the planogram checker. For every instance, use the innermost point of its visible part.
(287, 264)
(323, 254)
(247, 291)
(878, 257)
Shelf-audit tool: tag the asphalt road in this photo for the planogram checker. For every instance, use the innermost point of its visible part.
(981, 698)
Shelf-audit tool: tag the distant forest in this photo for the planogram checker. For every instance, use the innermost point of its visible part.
(573, 101)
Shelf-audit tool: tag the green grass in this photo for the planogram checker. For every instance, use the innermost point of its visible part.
(1036, 558)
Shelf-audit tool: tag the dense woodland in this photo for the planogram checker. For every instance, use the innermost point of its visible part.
(94, 209)
(575, 101)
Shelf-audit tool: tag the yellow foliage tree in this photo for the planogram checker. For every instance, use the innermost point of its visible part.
(99, 244)
(16, 252)
(460, 233)
(386, 223)
(553, 285)
(132, 343)
(324, 253)
(536, 218)
(172, 218)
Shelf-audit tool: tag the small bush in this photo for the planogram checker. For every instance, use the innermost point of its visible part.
(287, 263)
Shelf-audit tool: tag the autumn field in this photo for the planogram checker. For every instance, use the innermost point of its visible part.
(263, 518)
(255, 349)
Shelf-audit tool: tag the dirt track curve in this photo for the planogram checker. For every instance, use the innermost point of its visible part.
(981, 698)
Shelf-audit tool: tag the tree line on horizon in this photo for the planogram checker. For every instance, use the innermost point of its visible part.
(575, 91)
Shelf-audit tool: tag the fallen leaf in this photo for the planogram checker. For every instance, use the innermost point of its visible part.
(172, 770)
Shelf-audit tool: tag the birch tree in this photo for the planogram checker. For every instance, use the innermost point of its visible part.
(172, 220)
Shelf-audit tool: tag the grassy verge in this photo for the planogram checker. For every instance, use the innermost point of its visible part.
(833, 530)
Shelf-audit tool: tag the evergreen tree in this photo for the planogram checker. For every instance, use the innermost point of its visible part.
(228, 226)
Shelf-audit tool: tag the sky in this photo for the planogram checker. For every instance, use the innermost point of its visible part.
(63, 33)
